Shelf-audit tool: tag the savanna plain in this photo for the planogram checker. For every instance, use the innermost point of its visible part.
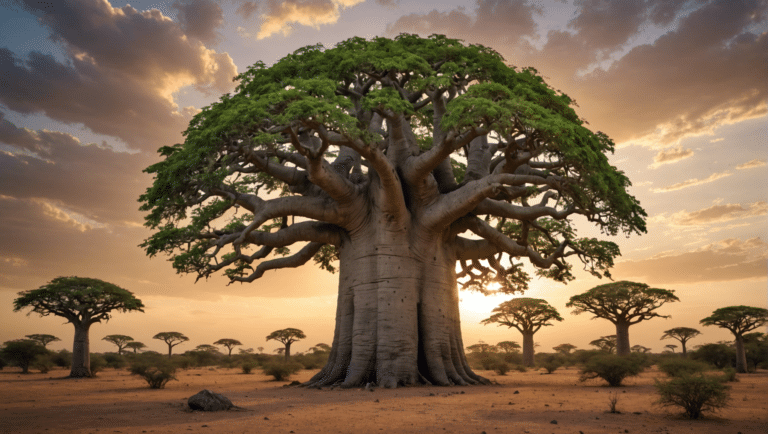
(519, 402)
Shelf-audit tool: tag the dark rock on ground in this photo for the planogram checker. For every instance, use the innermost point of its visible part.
(205, 400)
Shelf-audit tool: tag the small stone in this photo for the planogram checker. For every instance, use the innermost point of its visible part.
(204, 426)
(553, 422)
(431, 394)
(376, 400)
(266, 418)
(462, 392)
(516, 392)
(206, 400)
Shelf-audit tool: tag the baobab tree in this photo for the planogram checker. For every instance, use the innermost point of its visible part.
(135, 346)
(682, 334)
(43, 339)
(624, 304)
(171, 339)
(564, 348)
(83, 302)
(527, 315)
(229, 343)
(379, 156)
(120, 340)
(739, 320)
(286, 337)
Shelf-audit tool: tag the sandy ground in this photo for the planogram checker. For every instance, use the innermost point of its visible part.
(530, 402)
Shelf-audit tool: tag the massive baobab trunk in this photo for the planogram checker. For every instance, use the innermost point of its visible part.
(622, 338)
(528, 357)
(81, 352)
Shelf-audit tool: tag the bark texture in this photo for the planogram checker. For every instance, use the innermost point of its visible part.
(622, 338)
(81, 352)
(528, 353)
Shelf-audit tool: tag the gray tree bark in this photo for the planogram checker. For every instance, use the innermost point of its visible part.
(81, 352)
(528, 352)
(622, 338)
(741, 355)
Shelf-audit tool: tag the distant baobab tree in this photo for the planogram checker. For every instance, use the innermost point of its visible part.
(670, 347)
(527, 315)
(624, 304)
(374, 157)
(82, 301)
(171, 339)
(682, 334)
(564, 348)
(640, 349)
(508, 347)
(739, 320)
(229, 343)
(286, 337)
(120, 340)
(43, 339)
(135, 346)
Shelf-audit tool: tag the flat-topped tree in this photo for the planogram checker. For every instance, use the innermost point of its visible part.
(171, 339)
(739, 320)
(120, 340)
(640, 349)
(135, 346)
(527, 315)
(21, 353)
(380, 154)
(43, 339)
(682, 334)
(508, 347)
(624, 304)
(286, 337)
(229, 343)
(82, 301)
(605, 343)
(564, 348)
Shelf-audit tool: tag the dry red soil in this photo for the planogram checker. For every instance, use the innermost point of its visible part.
(530, 402)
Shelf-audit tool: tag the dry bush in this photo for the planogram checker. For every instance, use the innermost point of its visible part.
(694, 393)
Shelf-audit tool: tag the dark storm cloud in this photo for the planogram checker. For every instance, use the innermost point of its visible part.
(87, 186)
(708, 70)
(200, 19)
(124, 67)
(726, 260)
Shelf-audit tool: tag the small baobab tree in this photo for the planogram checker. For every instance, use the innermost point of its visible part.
(682, 334)
(43, 339)
(120, 340)
(229, 343)
(287, 337)
(83, 302)
(527, 315)
(739, 320)
(624, 304)
(171, 339)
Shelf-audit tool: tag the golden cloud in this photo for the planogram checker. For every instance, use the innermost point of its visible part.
(751, 164)
(719, 213)
(282, 16)
(671, 156)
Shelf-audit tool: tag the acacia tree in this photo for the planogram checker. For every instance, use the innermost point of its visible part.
(527, 315)
(739, 320)
(21, 352)
(508, 347)
(43, 339)
(564, 348)
(135, 346)
(286, 337)
(120, 340)
(624, 304)
(380, 154)
(605, 343)
(640, 349)
(171, 339)
(229, 343)
(682, 334)
(82, 301)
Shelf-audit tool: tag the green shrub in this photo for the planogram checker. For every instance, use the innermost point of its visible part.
(21, 353)
(43, 362)
(247, 367)
(313, 360)
(115, 361)
(550, 362)
(183, 362)
(98, 363)
(694, 393)
(156, 371)
(611, 368)
(62, 359)
(678, 367)
(501, 367)
(520, 368)
(282, 370)
(718, 355)
(729, 375)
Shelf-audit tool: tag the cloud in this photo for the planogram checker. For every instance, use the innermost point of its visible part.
(122, 70)
(727, 260)
(200, 19)
(670, 156)
(692, 182)
(708, 70)
(751, 164)
(719, 213)
(281, 16)
(246, 9)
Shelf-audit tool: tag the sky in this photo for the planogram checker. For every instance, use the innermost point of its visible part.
(90, 89)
